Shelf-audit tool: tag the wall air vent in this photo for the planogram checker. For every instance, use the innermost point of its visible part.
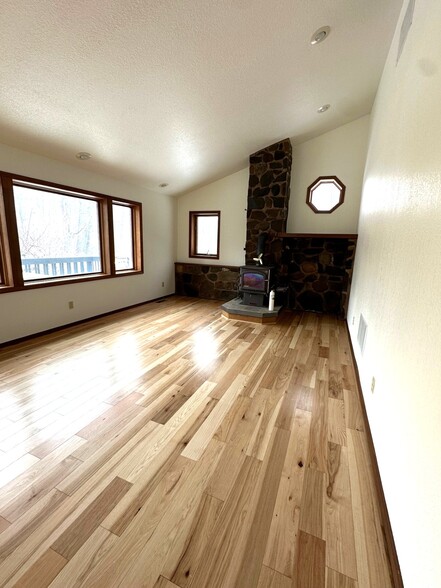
(361, 335)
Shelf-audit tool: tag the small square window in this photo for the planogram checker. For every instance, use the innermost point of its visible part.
(204, 234)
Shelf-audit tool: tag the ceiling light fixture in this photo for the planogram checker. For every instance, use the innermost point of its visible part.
(83, 155)
(323, 108)
(320, 35)
(163, 185)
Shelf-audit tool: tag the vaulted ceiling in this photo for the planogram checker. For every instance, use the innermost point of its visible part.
(182, 91)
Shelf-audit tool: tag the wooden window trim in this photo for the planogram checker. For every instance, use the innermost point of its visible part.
(137, 237)
(315, 183)
(192, 242)
(5, 266)
(10, 260)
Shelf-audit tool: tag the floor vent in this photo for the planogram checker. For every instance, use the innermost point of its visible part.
(361, 335)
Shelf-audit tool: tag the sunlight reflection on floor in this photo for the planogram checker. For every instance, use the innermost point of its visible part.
(205, 348)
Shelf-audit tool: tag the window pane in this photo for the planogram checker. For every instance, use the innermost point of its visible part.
(207, 230)
(58, 234)
(325, 196)
(123, 237)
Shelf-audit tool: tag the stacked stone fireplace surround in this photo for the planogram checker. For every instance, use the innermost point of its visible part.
(313, 271)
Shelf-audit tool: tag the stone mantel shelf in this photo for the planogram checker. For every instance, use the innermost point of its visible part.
(317, 235)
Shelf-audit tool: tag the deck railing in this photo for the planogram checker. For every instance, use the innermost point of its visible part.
(59, 266)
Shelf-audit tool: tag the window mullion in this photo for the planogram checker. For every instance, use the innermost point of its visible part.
(107, 244)
(137, 239)
(13, 271)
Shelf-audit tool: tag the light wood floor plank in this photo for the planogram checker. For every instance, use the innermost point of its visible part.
(222, 556)
(336, 421)
(164, 583)
(336, 580)
(43, 571)
(199, 535)
(312, 503)
(340, 544)
(272, 579)
(73, 538)
(317, 454)
(369, 540)
(310, 568)
(4, 524)
(284, 529)
(260, 525)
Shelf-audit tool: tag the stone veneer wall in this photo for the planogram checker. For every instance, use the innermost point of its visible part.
(217, 282)
(268, 196)
(318, 270)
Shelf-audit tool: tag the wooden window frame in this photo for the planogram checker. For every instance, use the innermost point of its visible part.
(10, 258)
(192, 242)
(317, 182)
(136, 233)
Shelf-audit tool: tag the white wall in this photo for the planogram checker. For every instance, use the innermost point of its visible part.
(229, 195)
(397, 285)
(341, 153)
(26, 312)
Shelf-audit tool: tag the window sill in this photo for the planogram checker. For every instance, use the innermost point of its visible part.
(204, 256)
(47, 283)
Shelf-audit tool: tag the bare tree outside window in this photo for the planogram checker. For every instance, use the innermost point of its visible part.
(58, 233)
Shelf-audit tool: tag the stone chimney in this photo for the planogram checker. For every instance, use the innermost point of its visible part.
(268, 197)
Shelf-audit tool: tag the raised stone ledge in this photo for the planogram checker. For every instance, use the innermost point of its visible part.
(215, 282)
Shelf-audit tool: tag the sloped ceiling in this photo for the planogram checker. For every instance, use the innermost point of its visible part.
(182, 91)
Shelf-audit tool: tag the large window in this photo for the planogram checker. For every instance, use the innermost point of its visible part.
(53, 234)
(204, 234)
(58, 234)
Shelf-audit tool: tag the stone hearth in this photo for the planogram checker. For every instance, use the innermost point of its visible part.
(235, 309)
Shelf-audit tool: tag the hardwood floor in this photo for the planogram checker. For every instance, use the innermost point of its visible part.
(166, 446)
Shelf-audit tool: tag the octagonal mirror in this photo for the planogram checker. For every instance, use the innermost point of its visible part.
(325, 194)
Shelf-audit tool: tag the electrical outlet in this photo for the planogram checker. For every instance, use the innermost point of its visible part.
(70, 304)
(353, 320)
(163, 284)
(373, 385)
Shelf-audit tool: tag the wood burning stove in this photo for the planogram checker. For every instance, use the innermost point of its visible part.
(255, 283)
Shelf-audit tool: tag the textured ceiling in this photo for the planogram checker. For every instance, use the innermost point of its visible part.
(182, 91)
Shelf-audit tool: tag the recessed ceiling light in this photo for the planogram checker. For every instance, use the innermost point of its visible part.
(320, 35)
(83, 155)
(323, 108)
(163, 185)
